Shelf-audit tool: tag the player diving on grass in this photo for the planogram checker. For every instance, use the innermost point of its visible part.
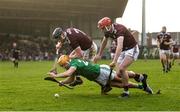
(97, 73)
(81, 43)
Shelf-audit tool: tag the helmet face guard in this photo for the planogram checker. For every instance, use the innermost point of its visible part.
(108, 28)
(57, 33)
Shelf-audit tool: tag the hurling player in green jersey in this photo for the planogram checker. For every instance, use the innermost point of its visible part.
(97, 73)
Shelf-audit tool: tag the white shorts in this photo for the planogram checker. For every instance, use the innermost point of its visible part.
(176, 54)
(166, 52)
(112, 55)
(91, 52)
(104, 75)
(133, 52)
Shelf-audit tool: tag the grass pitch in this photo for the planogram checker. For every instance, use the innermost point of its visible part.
(24, 89)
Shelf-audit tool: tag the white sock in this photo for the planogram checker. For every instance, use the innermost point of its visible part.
(127, 92)
(141, 77)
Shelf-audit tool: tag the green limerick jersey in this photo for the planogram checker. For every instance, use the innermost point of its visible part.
(85, 68)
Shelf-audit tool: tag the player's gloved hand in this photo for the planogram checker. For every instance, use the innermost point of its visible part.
(54, 70)
(60, 83)
(58, 45)
(52, 74)
(112, 64)
(96, 58)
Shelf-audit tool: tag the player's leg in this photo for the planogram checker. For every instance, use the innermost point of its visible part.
(13, 60)
(168, 60)
(16, 63)
(123, 74)
(140, 78)
(124, 61)
(173, 59)
(118, 84)
(104, 78)
(130, 85)
(137, 76)
(163, 60)
(175, 56)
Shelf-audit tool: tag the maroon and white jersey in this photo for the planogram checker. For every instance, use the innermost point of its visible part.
(77, 38)
(162, 38)
(175, 48)
(120, 30)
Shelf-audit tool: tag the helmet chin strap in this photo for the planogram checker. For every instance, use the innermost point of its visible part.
(63, 35)
(107, 29)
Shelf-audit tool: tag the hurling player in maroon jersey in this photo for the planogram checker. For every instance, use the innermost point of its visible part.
(164, 42)
(127, 49)
(81, 44)
(175, 52)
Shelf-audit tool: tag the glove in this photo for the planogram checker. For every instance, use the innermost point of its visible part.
(54, 71)
(112, 65)
(52, 74)
(60, 83)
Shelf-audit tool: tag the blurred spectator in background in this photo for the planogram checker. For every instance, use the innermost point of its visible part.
(1, 56)
(46, 55)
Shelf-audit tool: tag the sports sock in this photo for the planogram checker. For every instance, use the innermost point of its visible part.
(126, 89)
(78, 78)
(141, 77)
(138, 77)
(140, 86)
(126, 92)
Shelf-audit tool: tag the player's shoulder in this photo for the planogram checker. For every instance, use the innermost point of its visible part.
(167, 33)
(69, 29)
(160, 33)
(118, 25)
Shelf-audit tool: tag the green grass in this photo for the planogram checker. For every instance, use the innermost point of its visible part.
(24, 89)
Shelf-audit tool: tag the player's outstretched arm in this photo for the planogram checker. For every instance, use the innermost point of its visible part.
(68, 80)
(102, 47)
(67, 73)
(118, 51)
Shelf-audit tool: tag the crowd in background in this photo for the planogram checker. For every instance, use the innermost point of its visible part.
(43, 48)
(31, 47)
